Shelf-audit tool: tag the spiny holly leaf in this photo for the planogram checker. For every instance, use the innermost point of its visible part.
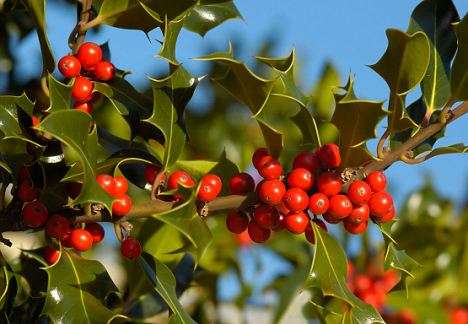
(398, 115)
(165, 118)
(171, 32)
(60, 95)
(399, 260)
(110, 93)
(77, 290)
(322, 99)
(122, 91)
(9, 125)
(328, 272)
(225, 169)
(210, 14)
(435, 18)
(353, 135)
(197, 168)
(75, 173)
(452, 149)
(37, 10)
(459, 80)
(164, 283)
(71, 128)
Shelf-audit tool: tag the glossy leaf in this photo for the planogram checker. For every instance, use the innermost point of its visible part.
(164, 283)
(171, 32)
(459, 80)
(111, 95)
(9, 124)
(435, 18)
(197, 168)
(77, 290)
(71, 128)
(60, 95)
(122, 91)
(206, 16)
(452, 149)
(328, 272)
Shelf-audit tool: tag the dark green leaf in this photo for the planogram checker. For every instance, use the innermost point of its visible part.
(109, 92)
(9, 125)
(204, 17)
(459, 80)
(60, 95)
(122, 91)
(171, 32)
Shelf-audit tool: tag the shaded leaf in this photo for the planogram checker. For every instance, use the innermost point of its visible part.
(459, 79)
(9, 124)
(204, 17)
(455, 148)
(122, 91)
(111, 95)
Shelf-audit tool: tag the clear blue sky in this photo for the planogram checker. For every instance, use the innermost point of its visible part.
(351, 34)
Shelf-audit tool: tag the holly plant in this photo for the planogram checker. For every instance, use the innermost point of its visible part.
(90, 165)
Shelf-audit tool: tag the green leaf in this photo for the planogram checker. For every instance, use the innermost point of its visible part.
(225, 169)
(204, 17)
(322, 98)
(9, 124)
(164, 284)
(452, 149)
(108, 91)
(4, 284)
(77, 290)
(328, 272)
(459, 79)
(171, 32)
(435, 18)
(75, 173)
(197, 168)
(399, 260)
(122, 91)
(37, 10)
(71, 128)
(60, 95)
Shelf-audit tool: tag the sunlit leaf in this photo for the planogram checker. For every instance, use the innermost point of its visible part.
(60, 95)
(459, 80)
(210, 14)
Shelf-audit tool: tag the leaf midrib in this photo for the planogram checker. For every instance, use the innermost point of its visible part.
(75, 271)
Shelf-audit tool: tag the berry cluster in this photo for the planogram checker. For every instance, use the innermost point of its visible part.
(117, 188)
(85, 65)
(312, 187)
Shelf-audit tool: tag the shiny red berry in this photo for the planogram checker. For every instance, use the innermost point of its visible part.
(329, 183)
(35, 214)
(210, 187)
(151, 171)
(26, 192)
(86, 107)
(331, 218)
(120, 186)
(377, 181)
(50, 254)
(58, 227)
(179, 177)
(301, 178)
(380, 203)
(355, 228)
(297, 222)
(271, 191)
(130, 248)
(387, 217)
(69, 66)
(271, 170)
(329, 156)
(257, 233)
(279, 225)
(241, 183)
(359, 192)
(81, 239)
(104, 71)
(82, 89)
(89, 54)
(318, 203)
(359, 214)
(266, 216)
(296, 199)
(243, 239)
(96, 231)
(340, 206)
(306, 160)
(121, 206)
(236, 222)
(260, 157)
(459, 315)
(107, 183)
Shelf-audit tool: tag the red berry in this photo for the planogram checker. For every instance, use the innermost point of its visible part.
(271, 170)
(58, 227)
(81, 239)
(330, 218)
(389, 280)
(243, 239)
(355, 228)
(241, 183)
(210, 187)
(89, 54)
(236, 222)
(362, 282)
(120, 186)
(359, 192)
(359, 214)
(271, 191)
(340, 206)
(35, 121)
(459, 315)
(318, 203)
(180, 177)
(104, 71)
(257, 233)
(329, 156)
(329, 183)
(386, 217)
(69, 66)
(96, 231)
(301, 178)
(82, 89)
(86, 107)
(130, 248)
(35, 214)
(297, 222)
(121, 206)
(27, 192)
(309, 232)
(151, 171)
(107, 183)
(296, 199)
(380, 203)
(212, 180)
(66, 239)
(377, 181)
(24, 175)
(51, 255)
(266, 216)
(306, 160)
(260, 157)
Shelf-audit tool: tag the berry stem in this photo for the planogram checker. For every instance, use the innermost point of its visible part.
(83, 16)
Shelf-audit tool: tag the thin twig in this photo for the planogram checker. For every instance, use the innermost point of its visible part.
(83, 17)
